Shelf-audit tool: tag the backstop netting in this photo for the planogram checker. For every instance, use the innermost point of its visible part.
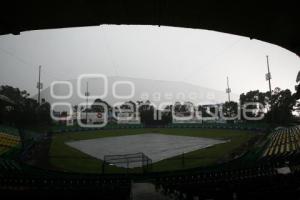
(128, 160)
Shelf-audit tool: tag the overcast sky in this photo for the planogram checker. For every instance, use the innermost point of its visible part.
(195, 56)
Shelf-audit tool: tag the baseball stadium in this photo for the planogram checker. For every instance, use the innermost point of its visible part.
(238, 139)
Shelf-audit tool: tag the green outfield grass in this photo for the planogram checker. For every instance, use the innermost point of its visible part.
(66, 158)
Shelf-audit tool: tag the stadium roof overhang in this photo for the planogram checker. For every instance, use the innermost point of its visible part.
(274, 22)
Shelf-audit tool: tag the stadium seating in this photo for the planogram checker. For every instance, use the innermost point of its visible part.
(283, 143)
(9, 166)
(25, 180)
(260, 182)
(8, 142)
(210, 182)
(9, 130)
(3, 149)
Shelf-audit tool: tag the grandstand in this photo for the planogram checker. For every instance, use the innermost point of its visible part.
(274, 174)
(8, 139)
(260, 179)
(261, 182)
(282, 143)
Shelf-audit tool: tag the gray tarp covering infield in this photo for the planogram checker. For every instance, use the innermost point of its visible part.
(156, 146)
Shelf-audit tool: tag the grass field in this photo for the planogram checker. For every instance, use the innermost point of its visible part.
(66, 158)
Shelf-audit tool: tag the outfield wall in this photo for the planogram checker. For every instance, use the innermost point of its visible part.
(237, 126)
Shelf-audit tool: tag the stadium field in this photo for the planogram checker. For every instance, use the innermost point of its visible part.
(66, 158)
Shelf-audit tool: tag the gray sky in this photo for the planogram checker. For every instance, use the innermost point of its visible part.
(195, 56)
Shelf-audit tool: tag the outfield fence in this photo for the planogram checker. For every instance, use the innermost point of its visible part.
(262, 127)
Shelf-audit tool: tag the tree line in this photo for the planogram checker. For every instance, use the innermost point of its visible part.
(278, 108)
(20, 110)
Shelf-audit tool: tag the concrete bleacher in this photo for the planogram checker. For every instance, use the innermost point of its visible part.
(261, 181)
(36, 182)
(8, 139)
(200, 183)
(3, 150)
(9, 166)
(283, 143)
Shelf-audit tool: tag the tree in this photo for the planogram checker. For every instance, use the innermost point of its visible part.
(96, 107)
(209, 111)
(130, 106)
(297, 93)
(282, 102)
(296, 96)
(263, 98)
(43, 113)
(185, 109)
(15, 94)
(230, 110)
(75, 108)
(146, 111)
(167, 114)
(25, 111)
(22, 106)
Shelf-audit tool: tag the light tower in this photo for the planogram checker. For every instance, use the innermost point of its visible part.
(87, 94)
(268, 76)
(228, 90)
(39, 85)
